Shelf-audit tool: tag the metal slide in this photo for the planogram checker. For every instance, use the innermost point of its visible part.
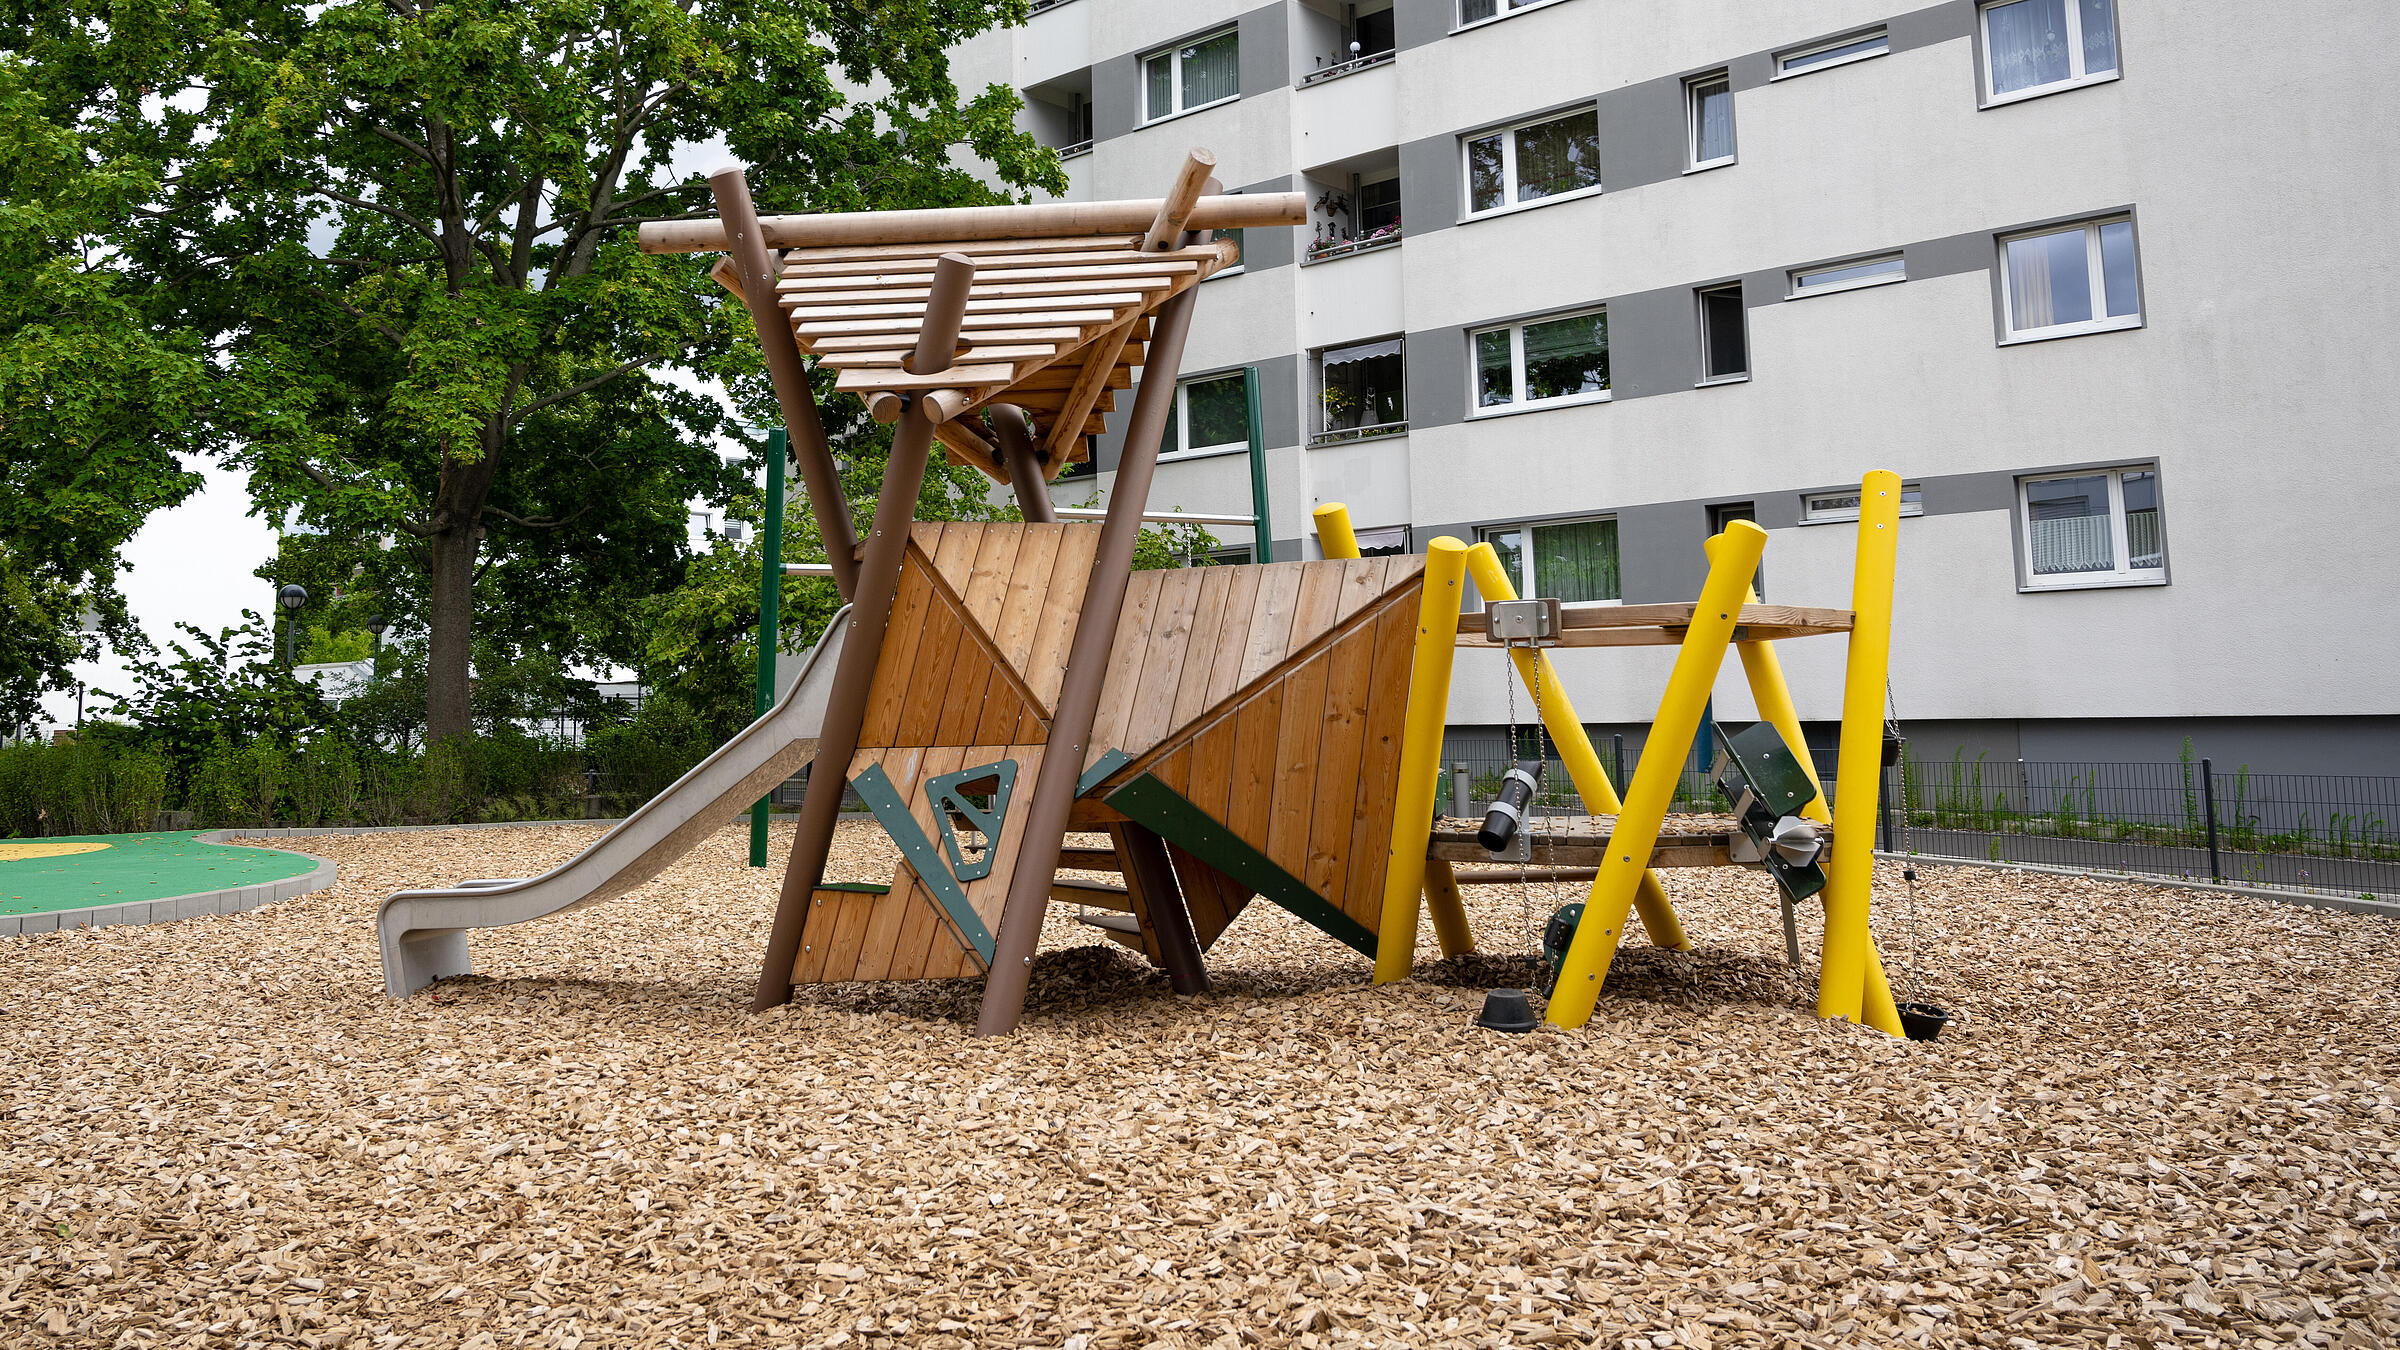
(424, 932)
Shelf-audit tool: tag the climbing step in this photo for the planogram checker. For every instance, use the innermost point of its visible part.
(1121, 928)
(1096, 894)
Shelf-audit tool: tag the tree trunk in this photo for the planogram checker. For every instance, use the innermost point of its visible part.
(451, 554)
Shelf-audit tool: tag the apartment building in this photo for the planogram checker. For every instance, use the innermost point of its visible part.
(2111, 283)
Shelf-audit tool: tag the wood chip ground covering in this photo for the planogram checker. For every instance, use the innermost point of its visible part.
(2167, 1120)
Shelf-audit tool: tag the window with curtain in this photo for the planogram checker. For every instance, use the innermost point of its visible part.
(1363, 390)
(1192, 75)
(2081, 279)
(2030, 46)
(1574, 562)
(1549, 158)
(1209, 414)
(2095, 527)
(1477, 11)
(1549, 361)
(1710, 108)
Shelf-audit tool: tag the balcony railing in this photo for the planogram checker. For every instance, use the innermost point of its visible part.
(1348, 435)
(1325, 250)
(1082, 147)
(1350, 67)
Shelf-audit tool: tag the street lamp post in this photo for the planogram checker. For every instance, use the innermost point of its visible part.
(291, 597)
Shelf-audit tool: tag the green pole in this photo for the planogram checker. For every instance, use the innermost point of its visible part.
(770, 605)
(1263, 549)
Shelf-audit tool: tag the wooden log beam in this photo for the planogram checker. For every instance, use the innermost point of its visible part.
(1167, 226)
(1250, 210)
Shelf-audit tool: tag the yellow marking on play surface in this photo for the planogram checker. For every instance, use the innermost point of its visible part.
(23, 849)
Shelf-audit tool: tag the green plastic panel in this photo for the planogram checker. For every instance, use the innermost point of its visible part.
(942, 791)
(1176, 820)
(876, 790)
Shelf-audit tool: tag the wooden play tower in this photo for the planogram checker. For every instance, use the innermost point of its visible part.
(1264, 731)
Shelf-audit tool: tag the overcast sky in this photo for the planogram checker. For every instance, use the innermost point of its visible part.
(194, 564)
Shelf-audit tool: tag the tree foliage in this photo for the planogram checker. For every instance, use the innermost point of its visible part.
(93, 396)
(407, 231)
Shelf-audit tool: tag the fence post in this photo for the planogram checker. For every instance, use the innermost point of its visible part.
(2208, 805)
(1616, 753)
(1460, 783)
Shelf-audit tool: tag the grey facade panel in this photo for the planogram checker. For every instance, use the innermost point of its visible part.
(1957, 254)
(1417, 23)
(1429, 191)
(1641, 134)
(1276, 246)
(1266, 54)
(1437, 377)
(1658, 551)
(1116, 97)
(1748, 72)
(1653, 343)
(1933, 25)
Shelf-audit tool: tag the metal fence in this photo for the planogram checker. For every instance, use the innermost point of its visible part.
(2330, 833)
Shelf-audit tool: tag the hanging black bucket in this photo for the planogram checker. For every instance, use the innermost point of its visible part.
(1508, 1010)
(1923, 1021)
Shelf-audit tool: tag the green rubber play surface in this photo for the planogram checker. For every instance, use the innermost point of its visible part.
(78, 871)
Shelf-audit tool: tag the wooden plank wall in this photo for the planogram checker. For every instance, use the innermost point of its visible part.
(854, 935)
(1303, 766)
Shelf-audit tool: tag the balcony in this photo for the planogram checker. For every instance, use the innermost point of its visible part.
(1354, 435)
(1355, 64)
(1326, 250)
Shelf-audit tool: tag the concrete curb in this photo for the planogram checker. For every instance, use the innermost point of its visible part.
(233, 900)
(2348, 904)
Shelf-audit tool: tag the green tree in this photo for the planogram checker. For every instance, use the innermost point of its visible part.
(409, 229)
(93, 396)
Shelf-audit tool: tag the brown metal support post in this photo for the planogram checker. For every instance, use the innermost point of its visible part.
(746, 246)
(1015, 433)
(1149, 869)
(862, 645)
(1087, 662)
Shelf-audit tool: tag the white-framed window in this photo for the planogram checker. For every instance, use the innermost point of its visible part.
(1848, 275)
(1541, 364)
(1826, 508)
(1708, 120)
(1553, 157)
(2038, 46)
(2091, 527)
(1571, 561)
(1210, 416)
(1191, 75)
(1362, 391)
(1473, 12)
(1724, 334)
(1833, 52)
(2062, 281)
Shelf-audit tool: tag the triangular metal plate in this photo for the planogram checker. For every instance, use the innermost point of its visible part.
(943, 791)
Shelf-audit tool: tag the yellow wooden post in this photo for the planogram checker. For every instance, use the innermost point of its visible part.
(1334, 534)
(1850, 876)
(1774, 699)
(1420, 764)
(1655, 776)
(1575, 748)
(1449, 908)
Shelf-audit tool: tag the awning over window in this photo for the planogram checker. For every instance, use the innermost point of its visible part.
(1365, 351)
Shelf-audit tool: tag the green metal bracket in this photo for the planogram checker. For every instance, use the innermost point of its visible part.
(1764, 780)
(876, 790)
(1172, 818)
(1108, 763)
(943, 791)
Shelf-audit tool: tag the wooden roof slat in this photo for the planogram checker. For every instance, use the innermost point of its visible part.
(955, 377)
(809, 309)
(868, 342)
(917, 294)
(811, 279)
(910, 323)
(892, 356)
(1081, 243)
(1031, 258)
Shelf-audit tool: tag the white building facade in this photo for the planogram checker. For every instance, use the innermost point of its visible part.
(2110, 283)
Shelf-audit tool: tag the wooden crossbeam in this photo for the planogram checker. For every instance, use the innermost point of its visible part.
(1067, 427)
